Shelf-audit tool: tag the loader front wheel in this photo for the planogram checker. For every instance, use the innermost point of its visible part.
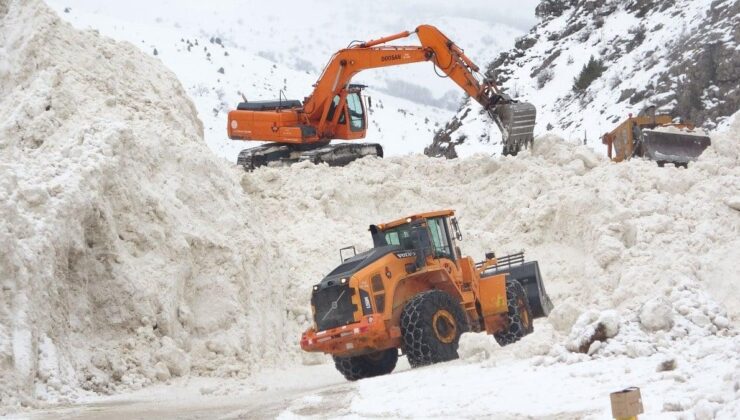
(519, 318)
(366, 366)
(431, 325)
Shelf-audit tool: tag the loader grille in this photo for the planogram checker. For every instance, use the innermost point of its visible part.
(333, 306)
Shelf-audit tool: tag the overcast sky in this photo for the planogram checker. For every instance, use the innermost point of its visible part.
(519, 14)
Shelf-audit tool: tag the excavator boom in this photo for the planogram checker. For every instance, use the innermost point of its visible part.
(335, 109)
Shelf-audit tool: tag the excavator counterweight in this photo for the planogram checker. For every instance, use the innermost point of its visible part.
(336, 110)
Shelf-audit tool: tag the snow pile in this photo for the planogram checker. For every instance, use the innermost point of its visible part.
(639, 260)
(656, 315)
(129, 253)
(591, 329)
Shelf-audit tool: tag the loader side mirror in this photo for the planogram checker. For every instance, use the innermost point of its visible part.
(456, 228)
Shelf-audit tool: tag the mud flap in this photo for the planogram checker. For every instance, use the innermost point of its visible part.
(677, 148)
(516, 121)
(528, 275)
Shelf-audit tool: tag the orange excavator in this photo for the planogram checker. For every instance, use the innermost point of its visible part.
(302, 131)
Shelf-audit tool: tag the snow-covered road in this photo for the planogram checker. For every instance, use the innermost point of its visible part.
(265, 395)
(486, 383)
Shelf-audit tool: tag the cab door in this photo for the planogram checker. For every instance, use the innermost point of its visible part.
(443, 247)
(352, 122)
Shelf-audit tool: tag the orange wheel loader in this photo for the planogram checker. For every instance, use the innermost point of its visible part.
(655, 137)
(414, 292)
(302, 130)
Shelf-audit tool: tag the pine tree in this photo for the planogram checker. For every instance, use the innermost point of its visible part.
(590, 72)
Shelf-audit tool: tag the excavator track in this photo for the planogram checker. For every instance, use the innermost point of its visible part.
(337, 154)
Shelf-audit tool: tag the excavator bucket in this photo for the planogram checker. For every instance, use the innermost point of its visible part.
(516, 121)
(671, 147)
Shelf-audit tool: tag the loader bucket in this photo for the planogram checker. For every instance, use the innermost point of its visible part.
(516, 121)
(677, 148)
(528, 275)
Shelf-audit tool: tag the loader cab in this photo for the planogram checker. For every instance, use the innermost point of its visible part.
(440, 233)
(347, 114)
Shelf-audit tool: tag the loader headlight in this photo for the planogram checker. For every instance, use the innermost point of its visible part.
(344, 280)
(315, 287)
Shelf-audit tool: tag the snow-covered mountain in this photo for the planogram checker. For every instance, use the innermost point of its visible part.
(223, 49)
(682, 56)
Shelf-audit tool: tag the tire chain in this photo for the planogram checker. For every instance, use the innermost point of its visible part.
(515, 330)
(420, 342)
(359, 367)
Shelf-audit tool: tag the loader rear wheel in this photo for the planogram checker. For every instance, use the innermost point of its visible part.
(431, 325)
(368, 365)
(519, 318)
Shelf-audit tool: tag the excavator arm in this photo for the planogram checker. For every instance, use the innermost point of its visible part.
(515, 119)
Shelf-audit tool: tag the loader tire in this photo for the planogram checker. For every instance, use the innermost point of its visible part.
(431, 325)
(368, 365)
(519, 318)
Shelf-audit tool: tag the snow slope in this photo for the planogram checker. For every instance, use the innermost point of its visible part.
(262, 50)
(682, 56)
(125, 251)
(132, 255)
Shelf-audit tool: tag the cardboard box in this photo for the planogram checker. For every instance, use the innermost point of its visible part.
(626, 403)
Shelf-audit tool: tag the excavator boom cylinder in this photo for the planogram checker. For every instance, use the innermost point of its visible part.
(385, 39)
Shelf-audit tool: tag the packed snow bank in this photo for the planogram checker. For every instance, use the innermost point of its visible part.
(635, 256)
(131, 255)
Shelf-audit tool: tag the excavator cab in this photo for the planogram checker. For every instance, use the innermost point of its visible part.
(347, 114)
